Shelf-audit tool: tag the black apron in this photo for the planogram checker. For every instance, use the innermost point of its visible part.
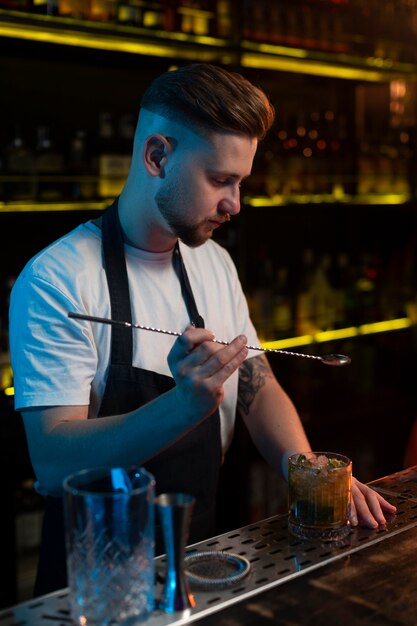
(191, 465)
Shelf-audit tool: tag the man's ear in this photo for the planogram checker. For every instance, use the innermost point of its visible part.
(155, 152)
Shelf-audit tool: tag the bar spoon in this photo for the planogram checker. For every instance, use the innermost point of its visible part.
(327, 359)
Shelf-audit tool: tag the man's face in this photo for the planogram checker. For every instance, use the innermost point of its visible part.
(201, 187)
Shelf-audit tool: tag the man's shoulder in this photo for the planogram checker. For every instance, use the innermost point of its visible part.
(69, 253)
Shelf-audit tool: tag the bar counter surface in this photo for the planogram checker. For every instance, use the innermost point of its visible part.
(368, 578)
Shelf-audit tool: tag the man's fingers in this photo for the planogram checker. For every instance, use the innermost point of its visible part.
(369, 506)
(193, 337)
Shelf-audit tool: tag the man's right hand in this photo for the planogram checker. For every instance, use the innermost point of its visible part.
(200, 367)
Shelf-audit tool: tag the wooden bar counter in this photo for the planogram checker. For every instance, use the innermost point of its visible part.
(368, 578)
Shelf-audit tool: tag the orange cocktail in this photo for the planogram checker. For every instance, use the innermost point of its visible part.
(319, 495)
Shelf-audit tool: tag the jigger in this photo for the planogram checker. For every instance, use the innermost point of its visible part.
(175, 511)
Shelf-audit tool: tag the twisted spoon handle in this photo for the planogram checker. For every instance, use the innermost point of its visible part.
(331, 359)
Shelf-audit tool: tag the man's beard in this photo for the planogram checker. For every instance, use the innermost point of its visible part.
(193, 235)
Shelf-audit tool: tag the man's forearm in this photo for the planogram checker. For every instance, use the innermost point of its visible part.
(269, 414)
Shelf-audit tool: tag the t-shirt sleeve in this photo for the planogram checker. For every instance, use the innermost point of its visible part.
(52, 359)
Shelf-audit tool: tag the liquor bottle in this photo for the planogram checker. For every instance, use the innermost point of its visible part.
(224, 22)
(101, 10)
(44, 7)
(304, 323)
(367, 291)
(195, 17)
(323, 302)
(401, 155)
(293, 157)
(113, 158)
(76, 9)
(273, 163)
(255, 20)
(129, 13)
(319, 144)
(49, 167)
(152, 15)
(19, 168)
(83, 185)
(282, 310)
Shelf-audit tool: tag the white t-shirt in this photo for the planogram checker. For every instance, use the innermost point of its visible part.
(58, 361)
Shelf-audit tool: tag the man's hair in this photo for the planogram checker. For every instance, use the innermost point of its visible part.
(210, 98)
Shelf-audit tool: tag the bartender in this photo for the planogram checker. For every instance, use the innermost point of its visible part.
(95, 395)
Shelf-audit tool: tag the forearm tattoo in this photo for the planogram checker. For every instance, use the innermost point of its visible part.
(252, 376)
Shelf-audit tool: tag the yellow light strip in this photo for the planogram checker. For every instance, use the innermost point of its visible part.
(317, 68)
(303, 340)
(266, 48)
(9, 391)
(257, 202)
(369, 199)
(333, 335)
(26, 207)
(120, 42)
(340, 333)
(387, 198)
(337, 58)
(382, 327)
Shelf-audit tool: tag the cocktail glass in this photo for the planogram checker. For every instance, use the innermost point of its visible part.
(319, 488)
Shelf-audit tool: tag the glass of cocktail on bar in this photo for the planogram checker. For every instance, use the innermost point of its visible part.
(319, 493)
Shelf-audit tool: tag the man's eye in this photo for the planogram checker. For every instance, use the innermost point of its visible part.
(224, 181)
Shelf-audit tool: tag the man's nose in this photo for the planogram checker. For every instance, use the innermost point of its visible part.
(231, 202)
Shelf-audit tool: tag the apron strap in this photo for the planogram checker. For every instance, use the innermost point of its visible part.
(117, 281)
(187, 293)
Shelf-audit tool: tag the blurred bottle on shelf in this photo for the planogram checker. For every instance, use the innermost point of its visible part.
(282, 310)
(196, 17)
(83, 183)
(260, 294)
(114, 153)
(129, 13)
(342, 281)
(76, 9)
(367, 289)
(101, 10)
(152, 15)
(49, 167)
(224, 19)
(44, 7)
(316, 306)
(19, 168)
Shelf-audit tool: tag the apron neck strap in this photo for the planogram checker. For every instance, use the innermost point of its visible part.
(187, 293)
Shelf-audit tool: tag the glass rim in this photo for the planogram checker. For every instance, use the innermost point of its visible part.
(342, 457)
(103, 471)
